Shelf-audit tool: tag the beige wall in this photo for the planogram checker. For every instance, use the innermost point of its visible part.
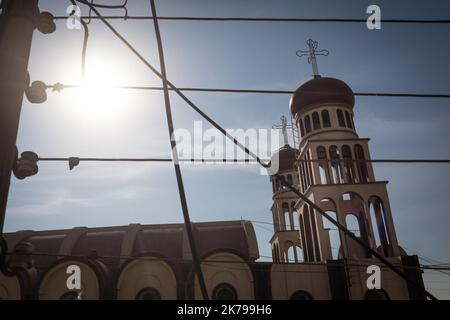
(140, 274)
(53, 285)
(287, 278)
(236, 273)
(394, 286)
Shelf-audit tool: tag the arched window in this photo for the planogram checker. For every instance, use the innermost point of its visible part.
(300, 256)
(378, 219)
(307, 124)
(301, 295)
(335, 164)
(309, 167)
(291, 253)
(286, 217)
(362, 166)
(70, 295)
(316, 121)
(323, 164)
(295, 218)
(353, 224)
(348, 120)
(302, 131)
(353, 206)
(329, 207)
(224, 291)
(348, 164)
(287, 220)
(277, 257)
(148, 293)
(340, 117)
(326, 119)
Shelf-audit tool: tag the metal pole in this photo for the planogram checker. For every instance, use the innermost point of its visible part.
(187, 220)
(16, 30)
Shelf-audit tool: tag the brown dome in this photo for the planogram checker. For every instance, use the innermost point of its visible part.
(321, 90)
(287, 157)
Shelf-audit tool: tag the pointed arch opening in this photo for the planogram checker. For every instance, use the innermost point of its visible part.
(329, 206)
(316, 121)
(323, 165)
(349, 168)
(302, 130)
(326, 119)
(295, 216)
(307, 124)
(348, 120)
(340, 116)
(379, 224)
(291, 252)
(352, 207)
(361, 164)
(335, 161)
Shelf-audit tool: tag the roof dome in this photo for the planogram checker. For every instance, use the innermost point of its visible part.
(321, 90)
(286, 157)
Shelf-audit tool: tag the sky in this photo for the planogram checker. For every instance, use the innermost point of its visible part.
(253, 55)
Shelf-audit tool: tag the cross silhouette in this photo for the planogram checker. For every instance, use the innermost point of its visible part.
(312, 52)
(284, 126)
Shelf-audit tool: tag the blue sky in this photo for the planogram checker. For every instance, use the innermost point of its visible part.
(397, 58)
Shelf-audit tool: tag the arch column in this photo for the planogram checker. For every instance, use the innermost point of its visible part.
(340, 216)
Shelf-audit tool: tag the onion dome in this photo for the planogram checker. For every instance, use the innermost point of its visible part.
(321, 90)
(286, 158)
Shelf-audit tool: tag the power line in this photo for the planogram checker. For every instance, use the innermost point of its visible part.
(180, 260)
(59, 86)
(173, 144)
(202, 160)
(288, 226)
(430, 260)
(255, 19)
(234, 160)
(148, 257)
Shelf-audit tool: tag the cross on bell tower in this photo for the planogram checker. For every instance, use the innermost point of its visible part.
(284, 126)
(312, 52)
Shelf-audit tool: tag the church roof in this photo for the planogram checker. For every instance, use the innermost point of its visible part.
(286, 157)
(321, 90)
(159, 240)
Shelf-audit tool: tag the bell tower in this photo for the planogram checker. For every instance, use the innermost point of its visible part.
(334, 174)
(285, 241)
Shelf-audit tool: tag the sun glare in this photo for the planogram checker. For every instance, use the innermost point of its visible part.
(99, 101)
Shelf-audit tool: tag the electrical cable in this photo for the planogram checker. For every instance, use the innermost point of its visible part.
(234, 160)
(173, 143)
(348, 262)
(59, 86)
(250, 19)
(85, 40)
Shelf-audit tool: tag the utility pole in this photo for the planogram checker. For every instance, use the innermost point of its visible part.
(17, 23)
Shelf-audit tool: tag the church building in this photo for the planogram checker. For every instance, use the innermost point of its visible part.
(311, 258)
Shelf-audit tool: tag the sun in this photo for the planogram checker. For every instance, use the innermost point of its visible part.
(99, 99)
